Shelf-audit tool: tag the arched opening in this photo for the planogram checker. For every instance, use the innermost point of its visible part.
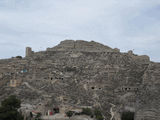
(127, 115)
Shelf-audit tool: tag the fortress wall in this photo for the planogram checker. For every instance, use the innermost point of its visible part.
(140, 59)
(81, 45)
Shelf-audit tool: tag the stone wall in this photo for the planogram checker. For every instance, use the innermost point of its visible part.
(29, 51)
(80, 45)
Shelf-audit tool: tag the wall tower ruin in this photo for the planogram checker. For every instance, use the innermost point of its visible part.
(29, 51)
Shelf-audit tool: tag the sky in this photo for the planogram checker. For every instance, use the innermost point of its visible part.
(124, 24)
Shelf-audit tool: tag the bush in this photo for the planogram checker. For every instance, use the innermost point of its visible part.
(98, 114)
(99, 117)
(87, 111)
(69, 113)
(20, 57)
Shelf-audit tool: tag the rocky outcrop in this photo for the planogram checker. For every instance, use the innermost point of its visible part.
(81, 73)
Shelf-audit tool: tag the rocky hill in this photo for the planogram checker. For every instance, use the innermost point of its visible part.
(76, 74)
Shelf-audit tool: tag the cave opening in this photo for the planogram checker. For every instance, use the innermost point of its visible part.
(92, 88)
(127, 115)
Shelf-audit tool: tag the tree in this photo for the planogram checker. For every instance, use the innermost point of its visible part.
(9, 109)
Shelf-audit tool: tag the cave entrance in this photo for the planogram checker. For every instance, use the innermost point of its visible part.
(127, 116)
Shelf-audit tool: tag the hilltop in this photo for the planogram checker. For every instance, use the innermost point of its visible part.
(78, 74)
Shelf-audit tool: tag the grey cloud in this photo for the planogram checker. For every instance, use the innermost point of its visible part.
(124, 24)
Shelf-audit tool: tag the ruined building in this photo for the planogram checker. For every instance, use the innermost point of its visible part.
(29, 51)
(81, 73)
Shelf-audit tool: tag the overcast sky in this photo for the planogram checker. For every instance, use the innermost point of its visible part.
(125, 24)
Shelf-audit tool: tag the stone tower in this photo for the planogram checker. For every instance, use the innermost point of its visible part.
(29, 51)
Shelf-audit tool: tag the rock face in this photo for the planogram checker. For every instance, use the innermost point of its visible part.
(81, 73)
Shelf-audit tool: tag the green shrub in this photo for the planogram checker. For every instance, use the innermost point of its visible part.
(69, 113)
(19, 57)
(99, 117)
(87, 111)
(98, 114)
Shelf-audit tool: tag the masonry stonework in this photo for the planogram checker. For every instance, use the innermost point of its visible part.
(29, 51)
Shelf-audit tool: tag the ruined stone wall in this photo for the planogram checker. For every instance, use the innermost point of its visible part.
(29, 51)
(80, 45)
